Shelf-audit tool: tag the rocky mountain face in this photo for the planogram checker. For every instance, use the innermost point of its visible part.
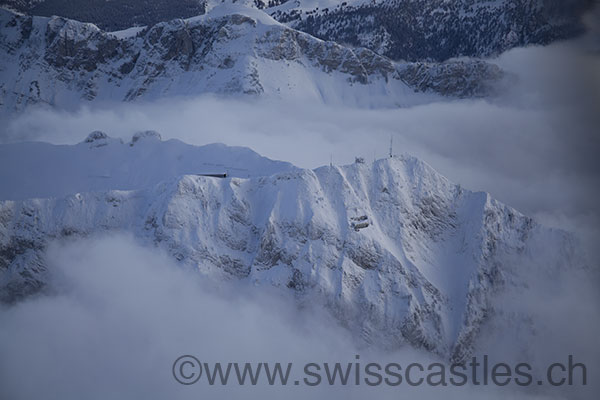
(436, 30)
(61, 62)
(395, 251)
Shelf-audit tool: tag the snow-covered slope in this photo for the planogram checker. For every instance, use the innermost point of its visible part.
(231, 49)
(102, 163)
(397, 252)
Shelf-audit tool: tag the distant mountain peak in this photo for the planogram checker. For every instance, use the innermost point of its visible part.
(61, 63)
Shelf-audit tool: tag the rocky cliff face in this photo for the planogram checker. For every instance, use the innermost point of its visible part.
(394, 250)
(62, 62)
(436, 30)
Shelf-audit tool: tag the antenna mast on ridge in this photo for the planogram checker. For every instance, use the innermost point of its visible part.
(391, 144)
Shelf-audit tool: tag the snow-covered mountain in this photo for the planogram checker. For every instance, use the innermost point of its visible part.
(396, 252)
(231, 49)
(434, 29)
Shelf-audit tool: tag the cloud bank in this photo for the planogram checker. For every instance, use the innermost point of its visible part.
(120, 314)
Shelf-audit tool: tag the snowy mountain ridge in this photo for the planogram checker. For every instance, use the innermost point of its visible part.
(231, 50)
(102, 163)
(399, 254)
